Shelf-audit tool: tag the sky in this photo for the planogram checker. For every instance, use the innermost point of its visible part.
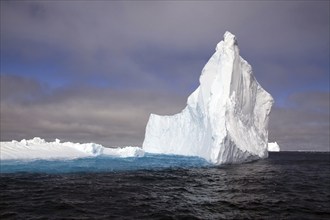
(93, 71)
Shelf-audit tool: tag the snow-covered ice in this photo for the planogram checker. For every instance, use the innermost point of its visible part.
(273, 147)
(226, 117)
(38, 148)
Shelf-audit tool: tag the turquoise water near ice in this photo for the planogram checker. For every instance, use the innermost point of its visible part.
(102, 164)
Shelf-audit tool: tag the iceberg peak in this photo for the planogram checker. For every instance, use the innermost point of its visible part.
(229, 41)
(226, 118)
(229, 38)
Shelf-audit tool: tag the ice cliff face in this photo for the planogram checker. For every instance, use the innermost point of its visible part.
(226, 118)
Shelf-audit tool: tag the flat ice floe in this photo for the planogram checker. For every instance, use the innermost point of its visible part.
(38, 148)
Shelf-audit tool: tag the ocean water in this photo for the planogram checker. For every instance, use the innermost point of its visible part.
(287, 185)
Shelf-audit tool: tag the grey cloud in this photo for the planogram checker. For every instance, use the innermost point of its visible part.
(81, 114)
(311, 101)
(287, 77)
(15, 88)
(305, 124)
(113, 38)
(86, 29)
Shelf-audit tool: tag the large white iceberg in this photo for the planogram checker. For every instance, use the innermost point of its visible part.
(38, 148)
(226, 118)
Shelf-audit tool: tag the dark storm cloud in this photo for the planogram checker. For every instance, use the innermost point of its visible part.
(95, 70)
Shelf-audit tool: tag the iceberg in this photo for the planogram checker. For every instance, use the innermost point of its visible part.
(226, 117)
(273, 147)
(38, 148)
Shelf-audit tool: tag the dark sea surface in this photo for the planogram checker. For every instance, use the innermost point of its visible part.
(287, 185)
